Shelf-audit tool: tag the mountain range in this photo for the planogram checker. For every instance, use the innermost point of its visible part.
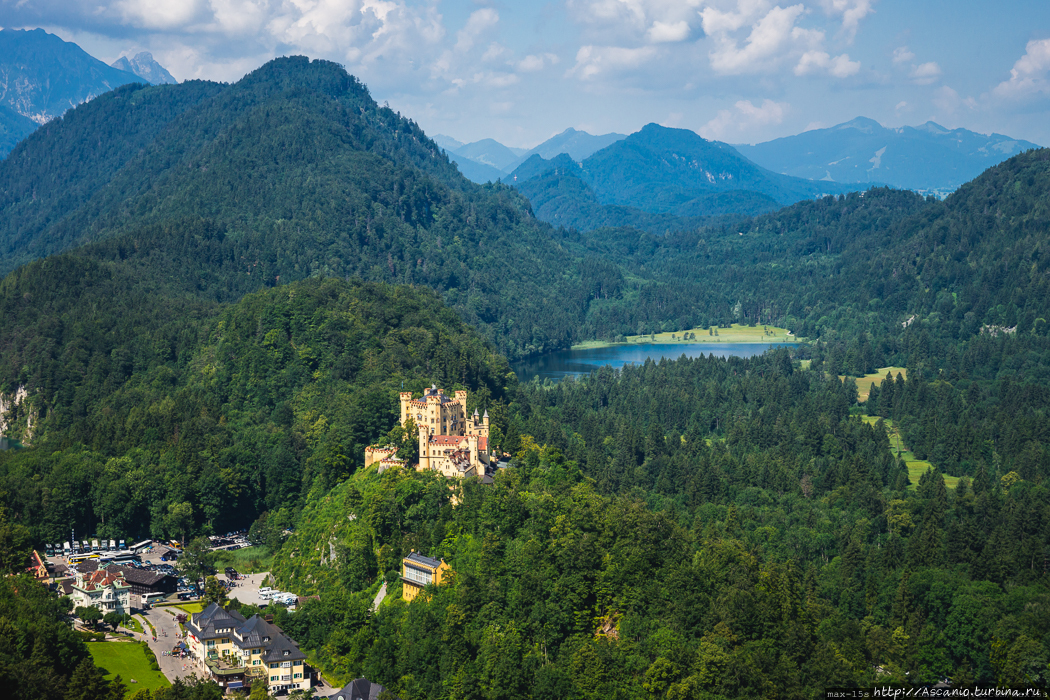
(927, 158)
(488, 160)
(42, 76)
(658, 179)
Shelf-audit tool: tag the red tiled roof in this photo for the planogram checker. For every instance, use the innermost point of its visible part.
(483, 444)
(447, 439)
(102, 578)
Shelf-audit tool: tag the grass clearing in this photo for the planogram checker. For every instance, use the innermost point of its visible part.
(190, 608)
(249, 560)
(737, 333)
(865, 383)
(127, 660)
(132, 624)
(916, 467)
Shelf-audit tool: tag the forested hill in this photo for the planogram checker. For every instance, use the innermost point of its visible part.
(659, 173)
(139, 404)
(300, 173)
(867, 262)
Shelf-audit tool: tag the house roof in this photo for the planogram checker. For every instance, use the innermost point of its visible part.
(283, 649)
(447, 439)
(205, 623)
(102, 579)
(358, 689)
(142, 577)
(416, 558)
(257, 632)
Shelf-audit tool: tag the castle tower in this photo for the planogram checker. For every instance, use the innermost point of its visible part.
(424, 441)
(406, 406)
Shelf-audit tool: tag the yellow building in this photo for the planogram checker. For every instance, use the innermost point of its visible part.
(450, 441)
(235, 652)
(418, 571)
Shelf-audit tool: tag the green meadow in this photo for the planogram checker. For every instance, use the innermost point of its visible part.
(127, 660)
(916, 467)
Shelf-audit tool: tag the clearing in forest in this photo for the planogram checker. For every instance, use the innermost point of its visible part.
(736, 333)
(865, 383)
(916, 467)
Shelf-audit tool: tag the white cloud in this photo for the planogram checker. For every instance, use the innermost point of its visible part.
(769, 37)
(948, 101)
(594, 60)
(665, 32)
(774, 39)
(1030, 76)
(925, 73)
(158, 14)
(624, 22)
(536, 62)
(852, 12)
(820, 61)
(478, 22)
(744, 118)
(902, 54)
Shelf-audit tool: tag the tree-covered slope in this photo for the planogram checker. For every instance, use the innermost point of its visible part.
(664, 169)
(140, 405)
(304, 175)
(839, 266)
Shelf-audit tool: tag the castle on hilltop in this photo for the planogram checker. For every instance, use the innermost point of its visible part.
(450, 441)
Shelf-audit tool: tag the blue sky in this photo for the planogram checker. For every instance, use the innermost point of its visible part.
(519, 72)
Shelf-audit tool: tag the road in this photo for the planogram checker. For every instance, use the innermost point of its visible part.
(168, 636)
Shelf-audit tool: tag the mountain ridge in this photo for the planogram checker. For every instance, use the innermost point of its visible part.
(925, 158)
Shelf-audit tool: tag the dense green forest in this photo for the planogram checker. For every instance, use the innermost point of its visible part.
(234, 409)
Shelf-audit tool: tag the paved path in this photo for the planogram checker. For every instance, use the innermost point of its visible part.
(168, 636)
(379, 597)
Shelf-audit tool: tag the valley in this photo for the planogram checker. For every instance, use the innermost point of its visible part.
(261, 304)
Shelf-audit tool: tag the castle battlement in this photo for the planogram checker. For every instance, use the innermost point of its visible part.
(450, 441)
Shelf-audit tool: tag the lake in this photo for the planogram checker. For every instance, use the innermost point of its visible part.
(562, 363)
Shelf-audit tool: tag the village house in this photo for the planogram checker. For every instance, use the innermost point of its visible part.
(142, 581)
(103, 589)
(418, 571)
(235, 652)
(450, 441)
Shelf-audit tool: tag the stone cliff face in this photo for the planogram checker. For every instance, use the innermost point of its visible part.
(17, 417)
(146, 68)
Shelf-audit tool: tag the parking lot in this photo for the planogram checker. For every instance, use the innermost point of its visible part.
(246, 589)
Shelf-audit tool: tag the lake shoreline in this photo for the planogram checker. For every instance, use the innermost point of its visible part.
(737, 334)
(559, 364)
(594, 344)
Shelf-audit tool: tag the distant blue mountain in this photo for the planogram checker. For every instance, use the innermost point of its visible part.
(926, 158)
(41, 76)
(500, 160)
(658, 171)
(488, 152)
(13, 128)
(474, 171)
(576, 144)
